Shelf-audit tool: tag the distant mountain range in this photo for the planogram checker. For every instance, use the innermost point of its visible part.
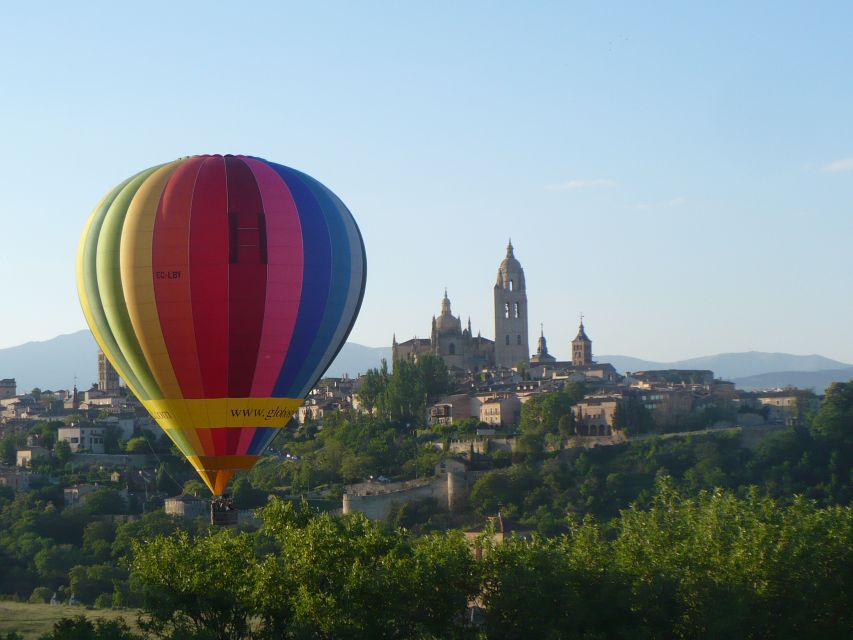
(54, 363)
(732, 365)
(753, 370)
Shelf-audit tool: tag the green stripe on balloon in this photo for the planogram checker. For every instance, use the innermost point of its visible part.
(112, 292)
(93, 294)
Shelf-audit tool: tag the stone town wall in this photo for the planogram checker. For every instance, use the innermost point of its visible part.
(131, 461)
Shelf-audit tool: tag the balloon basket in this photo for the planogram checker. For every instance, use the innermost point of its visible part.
(223, 513)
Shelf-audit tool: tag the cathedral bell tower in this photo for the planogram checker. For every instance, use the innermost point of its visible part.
(511, 345)
(581, 348)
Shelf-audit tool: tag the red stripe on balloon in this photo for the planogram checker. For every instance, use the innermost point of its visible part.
(247, 275)
(246, 435)
(285, 264)
(170, 266)
(206, 439)
(208, 260)
(226, 440)
(220, 441)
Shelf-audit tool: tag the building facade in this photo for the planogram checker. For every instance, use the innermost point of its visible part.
(458, 345)
(108, 381)
(459, 348)
(511, 344)
(82, 438)
(8, 388)
(581, 348)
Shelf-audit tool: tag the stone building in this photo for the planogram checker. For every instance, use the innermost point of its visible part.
(108, 380)
(82, 438)
(453, 409)
(8, 388)
(581, 348)
(511, 343)
(25, 457)
(185, 506)
(595, 416)
(459, 348)
(501, 411)
(453, 480)
(542, 357)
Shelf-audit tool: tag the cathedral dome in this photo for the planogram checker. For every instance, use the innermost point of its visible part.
(446, 323)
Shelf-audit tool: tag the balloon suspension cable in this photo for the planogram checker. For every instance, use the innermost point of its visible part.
(160, 463)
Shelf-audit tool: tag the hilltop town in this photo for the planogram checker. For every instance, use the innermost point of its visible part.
(471, 419)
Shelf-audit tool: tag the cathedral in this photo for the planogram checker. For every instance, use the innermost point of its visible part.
(459, 348)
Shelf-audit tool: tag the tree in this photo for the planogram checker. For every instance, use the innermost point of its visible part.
(632, 418)
(89, 582)
(246, 496)
(81, 628)
(404, 399)
(834, 419)
(351, 578)
(197, 588)
(8, 449)
(62, 452)
(105, 501)
(541, 414)
(137, 445)
(436, 377)
(372, 385)
(53, 563)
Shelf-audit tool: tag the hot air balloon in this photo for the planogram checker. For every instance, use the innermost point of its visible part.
(221, 288)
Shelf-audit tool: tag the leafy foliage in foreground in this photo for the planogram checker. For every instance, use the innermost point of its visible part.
(713, 565)
(306, 576)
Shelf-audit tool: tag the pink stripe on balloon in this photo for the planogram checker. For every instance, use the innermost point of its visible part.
(284, 275)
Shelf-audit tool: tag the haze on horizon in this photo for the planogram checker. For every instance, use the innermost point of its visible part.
(682, 175)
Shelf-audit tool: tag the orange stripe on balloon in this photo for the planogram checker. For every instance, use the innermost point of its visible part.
(138, 279)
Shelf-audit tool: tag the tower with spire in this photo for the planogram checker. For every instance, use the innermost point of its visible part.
(542, 356)
(581, 348)
(511, 343)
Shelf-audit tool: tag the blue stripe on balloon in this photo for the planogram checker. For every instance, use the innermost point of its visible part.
(262, 437)
(338, 290)
(342, 322)
(316, 278)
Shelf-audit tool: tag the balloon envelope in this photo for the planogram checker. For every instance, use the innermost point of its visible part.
(221, 288)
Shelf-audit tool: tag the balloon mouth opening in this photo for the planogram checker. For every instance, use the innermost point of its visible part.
(216, 471)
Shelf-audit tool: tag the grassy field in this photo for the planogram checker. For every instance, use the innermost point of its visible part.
(33, 620)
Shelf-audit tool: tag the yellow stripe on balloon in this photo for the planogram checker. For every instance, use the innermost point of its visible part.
(207, 413)
(84, 294)
(137, 239)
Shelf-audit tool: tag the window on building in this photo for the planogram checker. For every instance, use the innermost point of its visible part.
(506, 310)
(452, 349)
(517, 308)
(507, 339)
(518, 339)
(511, 285)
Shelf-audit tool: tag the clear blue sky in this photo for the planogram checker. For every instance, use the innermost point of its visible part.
(683, 175)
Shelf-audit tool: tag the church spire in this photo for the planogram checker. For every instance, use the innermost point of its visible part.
(581, 347)
(445, 304)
